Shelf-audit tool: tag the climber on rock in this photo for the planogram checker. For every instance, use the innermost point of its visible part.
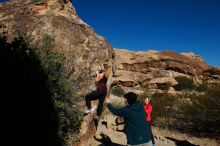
(98, 94)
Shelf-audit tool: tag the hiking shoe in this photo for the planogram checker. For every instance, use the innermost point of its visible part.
(93, 110)
(87, 111)
(96, 120)
(96, 117)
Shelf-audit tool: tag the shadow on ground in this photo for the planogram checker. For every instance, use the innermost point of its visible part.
(106, 141)
(181, 142)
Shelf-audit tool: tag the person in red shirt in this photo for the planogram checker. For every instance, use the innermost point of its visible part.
(148, 109)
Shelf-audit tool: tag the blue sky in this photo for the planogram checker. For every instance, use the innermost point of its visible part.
(179, 25)
(3, 1)
(140, 25)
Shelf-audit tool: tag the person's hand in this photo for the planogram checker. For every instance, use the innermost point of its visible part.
(107, 100)
(97, 72)
(99, 68)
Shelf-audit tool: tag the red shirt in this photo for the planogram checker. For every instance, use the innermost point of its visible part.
(148, 109)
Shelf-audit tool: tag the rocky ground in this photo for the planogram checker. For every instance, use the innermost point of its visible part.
(110, 137)
(107, 135)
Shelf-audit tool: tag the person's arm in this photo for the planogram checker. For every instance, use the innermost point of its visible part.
(118, 112)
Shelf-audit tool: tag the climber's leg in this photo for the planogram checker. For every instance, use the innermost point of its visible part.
(100, 105)
(90, 97)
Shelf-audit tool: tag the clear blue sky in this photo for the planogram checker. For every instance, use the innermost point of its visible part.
(3, 1)
(180, 25)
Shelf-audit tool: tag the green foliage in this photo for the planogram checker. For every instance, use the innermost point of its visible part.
(165, 86)
(193, 113)
(60, 88)
(203, 111)
(184, 83)
(28, 94)
(203, 87)
(163, 107)
(118, 91)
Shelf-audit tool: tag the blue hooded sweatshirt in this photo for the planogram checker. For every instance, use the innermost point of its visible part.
(136, 126)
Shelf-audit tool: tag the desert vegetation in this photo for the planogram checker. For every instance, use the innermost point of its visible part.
(39, 91)
(184, 83)
(118, 91)
(62, 94)
(193, 113)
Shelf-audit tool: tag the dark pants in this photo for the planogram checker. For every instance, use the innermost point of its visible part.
(94, 96)
(151, 133)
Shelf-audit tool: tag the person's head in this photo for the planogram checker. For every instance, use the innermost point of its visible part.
(131, 97)
(147, 100)
(103, 76)
(102, 68)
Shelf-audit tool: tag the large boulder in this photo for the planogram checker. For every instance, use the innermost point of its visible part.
(153, 68)
(83, 48)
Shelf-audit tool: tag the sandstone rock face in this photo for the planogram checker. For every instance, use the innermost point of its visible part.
(152, 68)
(83, 48)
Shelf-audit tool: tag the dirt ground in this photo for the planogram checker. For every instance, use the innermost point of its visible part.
(110, 137)
(181, 139)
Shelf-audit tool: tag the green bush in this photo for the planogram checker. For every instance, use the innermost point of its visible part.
(192, 113)
(59, 86)
(202, 87)
(38, 90)
(163, 108)
(184, 83)
(202, 114)
(118, 91)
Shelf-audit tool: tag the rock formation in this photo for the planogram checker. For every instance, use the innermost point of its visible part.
(84, 50)
(153, 69)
